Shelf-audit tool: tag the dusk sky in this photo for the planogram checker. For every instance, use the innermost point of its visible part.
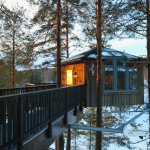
(132, 46)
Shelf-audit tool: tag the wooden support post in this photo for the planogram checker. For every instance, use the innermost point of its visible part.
(65, 118)
(81, 107)
(69, 140)
(59, 143)
(75, 111)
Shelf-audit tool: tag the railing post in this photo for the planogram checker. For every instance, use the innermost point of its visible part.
(66, 107)
(20, 123)
(49, 130)
(75, 110)
(0, 92)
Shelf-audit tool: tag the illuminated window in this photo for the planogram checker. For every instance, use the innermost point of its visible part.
(69, 77)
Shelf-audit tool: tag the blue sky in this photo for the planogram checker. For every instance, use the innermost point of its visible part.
(132, 46)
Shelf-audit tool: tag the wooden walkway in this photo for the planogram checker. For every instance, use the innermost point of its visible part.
(24, 114)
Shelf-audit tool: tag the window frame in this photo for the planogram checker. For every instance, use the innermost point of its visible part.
(115, 69)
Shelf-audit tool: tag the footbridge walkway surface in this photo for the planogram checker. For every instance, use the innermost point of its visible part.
(34, 117)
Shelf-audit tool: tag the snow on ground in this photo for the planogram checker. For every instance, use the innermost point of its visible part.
(82, 143)
(132, 134)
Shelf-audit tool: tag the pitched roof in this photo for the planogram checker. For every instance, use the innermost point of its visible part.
(106, 53)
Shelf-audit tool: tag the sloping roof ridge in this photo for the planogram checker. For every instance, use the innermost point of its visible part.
(121, 52)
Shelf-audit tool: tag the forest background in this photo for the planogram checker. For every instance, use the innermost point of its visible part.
(38, 39)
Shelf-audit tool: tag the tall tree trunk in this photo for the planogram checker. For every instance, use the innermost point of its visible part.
(13, 60)
(148, 44)
(90, 134)
(58, 43)
(99, 78)
(67, 29)
(148, 53)
(59, 144)
(69, 140)
(75, 138)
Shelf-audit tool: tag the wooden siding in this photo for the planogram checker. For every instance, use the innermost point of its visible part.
(85, 75)
(113, 98)
(122, 98)
(78, 68)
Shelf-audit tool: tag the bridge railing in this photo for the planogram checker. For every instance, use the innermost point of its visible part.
(25, 89)
(22, 115)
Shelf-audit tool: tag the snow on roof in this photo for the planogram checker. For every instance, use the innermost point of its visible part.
(106, 53)
(92, 56)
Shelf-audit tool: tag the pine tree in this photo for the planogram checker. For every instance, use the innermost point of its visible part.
(5, 75)
(16, 44)
(45, 18)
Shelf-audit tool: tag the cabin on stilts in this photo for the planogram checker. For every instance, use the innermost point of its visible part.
(123, 77)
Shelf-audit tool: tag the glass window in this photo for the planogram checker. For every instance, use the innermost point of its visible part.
(120, 63)
(69, 77)
(121, 78)
(133, 79)
(109, 62)
(108, 78)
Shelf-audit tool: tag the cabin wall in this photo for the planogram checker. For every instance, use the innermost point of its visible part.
(112, 98)
(77, 74)
(91, 87)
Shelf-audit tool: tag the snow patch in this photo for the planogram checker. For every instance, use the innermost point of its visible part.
(92, 56)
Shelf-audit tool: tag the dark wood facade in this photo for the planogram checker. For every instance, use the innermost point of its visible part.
(128, 90)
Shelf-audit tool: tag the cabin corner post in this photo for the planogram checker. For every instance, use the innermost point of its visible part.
(142, 89)
(20, 123)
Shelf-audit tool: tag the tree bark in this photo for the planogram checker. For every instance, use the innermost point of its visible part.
(69, 140)
(148, 44)
(59, 142)
(67, 29)
(58, 43)
(13, 60)
(99, 78)
(59, 145)
(148, 53)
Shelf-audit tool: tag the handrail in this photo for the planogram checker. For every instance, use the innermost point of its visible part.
(25, 89)
(26, 113)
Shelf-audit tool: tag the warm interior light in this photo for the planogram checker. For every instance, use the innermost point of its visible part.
(69, 77)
